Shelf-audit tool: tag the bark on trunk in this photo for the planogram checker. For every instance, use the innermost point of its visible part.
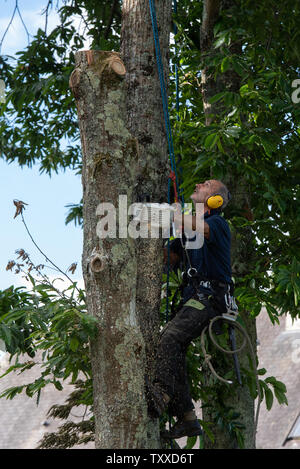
(144, 119)
(124, 152)
(242, 260)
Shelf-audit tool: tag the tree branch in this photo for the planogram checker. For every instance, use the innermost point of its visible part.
(210, 14)
(111, 17)
(8, 26)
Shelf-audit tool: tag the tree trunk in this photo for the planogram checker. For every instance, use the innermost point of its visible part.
(124, 153)
(242, 260)
(144, 114)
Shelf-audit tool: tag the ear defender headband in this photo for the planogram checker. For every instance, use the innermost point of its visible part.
(216, 200)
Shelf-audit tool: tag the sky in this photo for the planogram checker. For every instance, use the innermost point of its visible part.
(46, 197)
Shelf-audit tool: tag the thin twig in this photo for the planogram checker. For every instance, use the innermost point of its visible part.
(46, 257)
(44, 276)
(16, 10)
(111, 17)
(23, 23)
(8, 26)
(61, 294)
(46, 12)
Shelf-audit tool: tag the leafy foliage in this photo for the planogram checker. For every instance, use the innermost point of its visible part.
(55, 329)
(40, 320)
(256, 136)
(38, 121)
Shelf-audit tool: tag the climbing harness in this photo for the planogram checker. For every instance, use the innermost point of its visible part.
(229, 316)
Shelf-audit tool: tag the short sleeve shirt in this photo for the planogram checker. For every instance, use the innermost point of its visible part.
(212, 260)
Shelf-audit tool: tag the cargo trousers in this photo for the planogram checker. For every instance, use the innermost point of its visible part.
(176, 336)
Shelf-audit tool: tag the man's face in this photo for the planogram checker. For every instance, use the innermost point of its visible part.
(204, 190)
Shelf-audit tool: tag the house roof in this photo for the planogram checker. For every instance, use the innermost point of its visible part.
(22, 422)
(279, 353)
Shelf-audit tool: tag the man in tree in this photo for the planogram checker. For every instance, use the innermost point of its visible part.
(208, 281)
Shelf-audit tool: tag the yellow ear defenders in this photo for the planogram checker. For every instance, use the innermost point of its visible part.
(214, 201)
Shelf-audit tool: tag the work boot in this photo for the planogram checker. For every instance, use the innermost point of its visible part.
(157, 399)
(183, 428)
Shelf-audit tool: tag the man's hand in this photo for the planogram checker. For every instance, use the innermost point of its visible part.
(178, 217)
(188, 222)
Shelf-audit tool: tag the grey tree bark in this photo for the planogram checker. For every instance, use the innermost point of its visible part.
(242, 258)
(124, 153)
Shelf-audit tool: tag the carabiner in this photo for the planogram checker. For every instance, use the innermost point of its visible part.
(192, 272)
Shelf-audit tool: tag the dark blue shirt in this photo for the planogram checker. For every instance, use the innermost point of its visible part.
(212, 260)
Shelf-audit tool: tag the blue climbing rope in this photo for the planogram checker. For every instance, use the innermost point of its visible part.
(175, 30)
(163, 91)
(168, 132)
(167, 122)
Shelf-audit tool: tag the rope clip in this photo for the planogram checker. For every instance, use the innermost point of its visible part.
(192, 272)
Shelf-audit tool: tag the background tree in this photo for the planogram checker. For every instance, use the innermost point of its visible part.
(239, 125)
(233, 136)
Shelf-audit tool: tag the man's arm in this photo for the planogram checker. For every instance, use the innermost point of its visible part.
(176, 253)
(193, 224)
(174, 258)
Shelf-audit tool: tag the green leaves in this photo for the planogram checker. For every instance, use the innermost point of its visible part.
(225, 64)
(211, 140)
(38, 122)
(191, 441)
(269, 387)
(75, 214)
(10, 393)
(42, 320)
(251, 136)
(278, 389)
(223, 38)
(287, 279)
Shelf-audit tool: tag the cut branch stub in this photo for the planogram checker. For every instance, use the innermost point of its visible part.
(116, 64)
(97, 61)
(97, 263)
(112, 60)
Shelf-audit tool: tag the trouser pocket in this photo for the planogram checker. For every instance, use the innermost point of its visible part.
(187, 324)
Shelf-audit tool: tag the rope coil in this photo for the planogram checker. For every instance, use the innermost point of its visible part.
(246, 339)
